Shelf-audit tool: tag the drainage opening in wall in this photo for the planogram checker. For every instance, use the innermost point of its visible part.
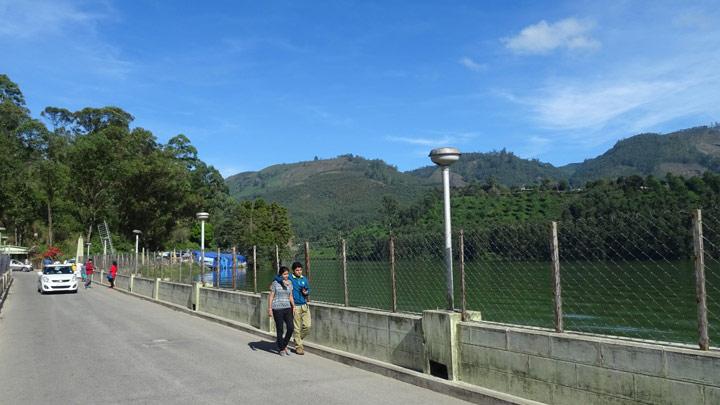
(438, 369)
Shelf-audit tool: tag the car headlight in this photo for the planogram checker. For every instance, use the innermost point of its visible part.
(74, 278)
(45, 279)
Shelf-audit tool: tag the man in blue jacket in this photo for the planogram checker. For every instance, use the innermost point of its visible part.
(301, 291)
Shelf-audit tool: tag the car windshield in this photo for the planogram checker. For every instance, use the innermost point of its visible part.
(58, 270)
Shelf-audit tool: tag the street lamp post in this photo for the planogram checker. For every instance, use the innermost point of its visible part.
(202, 216)
(87, 244)
(444, 157)
(2, 228)
(137, 245)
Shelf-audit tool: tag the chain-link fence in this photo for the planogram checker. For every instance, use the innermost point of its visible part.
(627, 275)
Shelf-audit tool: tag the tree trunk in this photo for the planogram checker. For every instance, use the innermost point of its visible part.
(50, 224)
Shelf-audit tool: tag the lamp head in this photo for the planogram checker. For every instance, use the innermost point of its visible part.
(202, 215)
(444, 156)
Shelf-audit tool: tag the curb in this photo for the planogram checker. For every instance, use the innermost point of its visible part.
(5, 293)
(463, 391)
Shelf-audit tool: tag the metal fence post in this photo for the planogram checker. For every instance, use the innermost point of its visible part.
(234, 269)
(217, 270)
(463, 303)
(180, 265)
(557, 289)
(254, 268)
(277, 259)
(307, 260)
(344, 270)
(392, 274)
(700, 293)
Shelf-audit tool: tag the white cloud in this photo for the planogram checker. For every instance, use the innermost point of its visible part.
(420, 141)
(38, 18)
(542, 38)
(637, 98)
(472, 65)
(442, 140)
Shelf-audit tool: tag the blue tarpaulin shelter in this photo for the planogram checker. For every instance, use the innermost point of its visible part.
(226, 267)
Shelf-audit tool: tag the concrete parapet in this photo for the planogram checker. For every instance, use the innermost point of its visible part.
(565, 368)
(144, 287)
(440, 329)
(234, 305)
(122, 282)
(175, 293)
(389, 337)
(266, 323)
(156, 289)
(195, 296)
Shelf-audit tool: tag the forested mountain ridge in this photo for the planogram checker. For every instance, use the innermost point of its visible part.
(329, 195)
(501, 167)
(689, 152)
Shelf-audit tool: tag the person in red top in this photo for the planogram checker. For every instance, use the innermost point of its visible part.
(112, 274)
(89, 270)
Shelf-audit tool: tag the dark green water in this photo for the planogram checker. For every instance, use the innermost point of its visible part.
(646, 300)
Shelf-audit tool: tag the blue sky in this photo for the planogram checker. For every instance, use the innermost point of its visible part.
(263, 82)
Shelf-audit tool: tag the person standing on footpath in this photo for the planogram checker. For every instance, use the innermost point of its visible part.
(89, 270)
(112, 274)
(280, 307)
(301, 315)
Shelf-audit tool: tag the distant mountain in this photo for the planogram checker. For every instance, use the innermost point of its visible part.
(503, 167)
(329, 195)
(689, 152)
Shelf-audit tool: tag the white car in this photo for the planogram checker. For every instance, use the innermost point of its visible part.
(57, 277)
(17, 265)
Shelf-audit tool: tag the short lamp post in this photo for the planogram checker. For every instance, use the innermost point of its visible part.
(202, 216)
(137, 247)
(444, 157)
(2, 228)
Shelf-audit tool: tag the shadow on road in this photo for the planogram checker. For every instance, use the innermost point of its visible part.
(269, 347)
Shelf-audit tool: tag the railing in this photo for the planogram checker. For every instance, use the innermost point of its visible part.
(652, 276)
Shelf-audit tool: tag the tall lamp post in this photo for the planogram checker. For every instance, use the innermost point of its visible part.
(444, 157)
(87, 245)
(202, 216)
(137, 246)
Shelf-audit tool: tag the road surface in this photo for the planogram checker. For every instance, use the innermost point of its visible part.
(103, 346)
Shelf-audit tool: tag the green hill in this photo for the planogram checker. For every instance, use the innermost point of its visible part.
(329, 195)
(688, 153)
(501, 167)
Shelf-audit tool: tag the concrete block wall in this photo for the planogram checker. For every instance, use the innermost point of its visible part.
(122, 282)
(389, 337)
(175, 293)
(144, 287)
(571, 369)
(235, 305)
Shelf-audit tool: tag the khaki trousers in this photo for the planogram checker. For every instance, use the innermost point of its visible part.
(302, 322)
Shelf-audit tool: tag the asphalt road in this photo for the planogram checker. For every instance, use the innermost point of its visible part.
(103, 346)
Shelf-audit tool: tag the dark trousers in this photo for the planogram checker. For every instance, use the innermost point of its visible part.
(285, 316)
(88, 280)
(112, 282)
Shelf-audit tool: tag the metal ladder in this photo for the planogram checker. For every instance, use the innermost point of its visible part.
(104, 232)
